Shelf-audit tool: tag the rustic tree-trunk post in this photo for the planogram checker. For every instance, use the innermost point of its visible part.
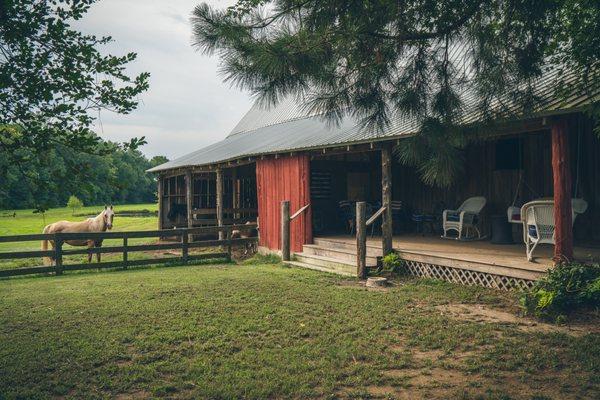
(561, 172)
(219, 194)
(386, 199)
(285, 230)
(160, 184)
(58, 242)
(189, 197)
(361, 239)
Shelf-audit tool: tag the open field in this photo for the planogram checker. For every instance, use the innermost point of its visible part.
(26, 222)
(268, 331)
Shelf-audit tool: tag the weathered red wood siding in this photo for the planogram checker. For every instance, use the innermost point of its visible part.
(285, 178)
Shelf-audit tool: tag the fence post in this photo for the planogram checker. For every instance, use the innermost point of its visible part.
(58, 242)
(184, 245)
(285, 230)
(228, 233)
(361, 240)
(125, 254)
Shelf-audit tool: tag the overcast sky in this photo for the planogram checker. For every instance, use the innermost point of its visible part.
(187, 106)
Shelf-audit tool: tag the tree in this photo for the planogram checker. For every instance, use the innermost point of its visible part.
(41, 209)
(54, 80)
(118, 176)
(385, 60)
(74, 203)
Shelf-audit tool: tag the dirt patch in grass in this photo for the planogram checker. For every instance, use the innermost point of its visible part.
(437, 376)
(140, 394)
(427, 355)
(442, 383)
(381, 391)
(356, 284)
(484, 314)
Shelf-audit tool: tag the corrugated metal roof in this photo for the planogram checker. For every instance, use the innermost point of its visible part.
(286, 127)
(288, 109)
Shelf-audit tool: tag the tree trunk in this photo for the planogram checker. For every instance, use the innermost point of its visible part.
(561, 170)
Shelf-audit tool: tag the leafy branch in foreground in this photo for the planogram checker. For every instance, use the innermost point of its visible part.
(428, 62)
(54, 80)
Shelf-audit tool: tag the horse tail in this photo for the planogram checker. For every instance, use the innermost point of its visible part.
(47, 260)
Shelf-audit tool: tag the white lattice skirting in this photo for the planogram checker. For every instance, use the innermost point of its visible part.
(467, 277)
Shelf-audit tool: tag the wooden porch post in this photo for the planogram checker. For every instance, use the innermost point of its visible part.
(386, 199)
(561, 171)
(234, 194)
(361, 240)
(189, 187)
(160, 183)
(219, 184)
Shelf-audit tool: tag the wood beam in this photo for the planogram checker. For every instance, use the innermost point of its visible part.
(561, 172)
(234, 191)
(219, 195)
(386, 199)
(189, 199)
(361, 239)
(159, 184)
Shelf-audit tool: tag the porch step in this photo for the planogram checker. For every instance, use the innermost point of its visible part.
(339, 253)
(322, 269)
(338, 244)
(333, 265)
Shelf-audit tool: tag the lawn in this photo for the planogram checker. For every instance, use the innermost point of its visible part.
(26, 222)
(269, 331)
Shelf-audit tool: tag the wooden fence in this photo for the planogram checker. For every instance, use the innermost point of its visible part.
(184, 244)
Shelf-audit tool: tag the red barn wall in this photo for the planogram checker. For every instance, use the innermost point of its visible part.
(284, 178)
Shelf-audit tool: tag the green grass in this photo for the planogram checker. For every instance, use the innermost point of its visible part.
(267, 331)
(26, 222)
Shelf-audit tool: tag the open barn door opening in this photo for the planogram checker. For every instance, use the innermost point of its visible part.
(279, 179)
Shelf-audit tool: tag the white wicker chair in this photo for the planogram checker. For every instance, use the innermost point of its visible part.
(464, 218)
(538, 222)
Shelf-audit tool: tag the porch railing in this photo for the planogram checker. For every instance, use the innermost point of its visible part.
(361, 236)
(286, 219)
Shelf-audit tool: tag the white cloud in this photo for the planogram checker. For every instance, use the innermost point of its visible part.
(187, 106)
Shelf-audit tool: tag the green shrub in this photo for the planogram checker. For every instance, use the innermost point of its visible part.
(566, 288)
(392, 262)
(74, 203)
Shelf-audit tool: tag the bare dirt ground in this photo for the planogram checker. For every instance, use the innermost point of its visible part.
(436, 374)
(486, 314)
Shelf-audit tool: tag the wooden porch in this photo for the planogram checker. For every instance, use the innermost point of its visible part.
(434, 257)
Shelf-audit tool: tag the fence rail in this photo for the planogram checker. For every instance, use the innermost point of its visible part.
(184, 244)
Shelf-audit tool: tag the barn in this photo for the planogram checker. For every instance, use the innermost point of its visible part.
(284, 153)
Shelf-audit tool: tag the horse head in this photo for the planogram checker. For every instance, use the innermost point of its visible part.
(108, 215)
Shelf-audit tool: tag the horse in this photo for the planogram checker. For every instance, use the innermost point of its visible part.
(99, 223)
(244, 234)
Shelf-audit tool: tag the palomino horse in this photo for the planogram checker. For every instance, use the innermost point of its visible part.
(99, 223)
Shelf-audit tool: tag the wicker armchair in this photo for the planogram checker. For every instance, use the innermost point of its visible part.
(465, 218)
(538, 222)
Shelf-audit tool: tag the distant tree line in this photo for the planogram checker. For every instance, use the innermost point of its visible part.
(48, 179)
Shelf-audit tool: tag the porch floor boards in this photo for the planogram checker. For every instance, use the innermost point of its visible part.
(478, 254)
